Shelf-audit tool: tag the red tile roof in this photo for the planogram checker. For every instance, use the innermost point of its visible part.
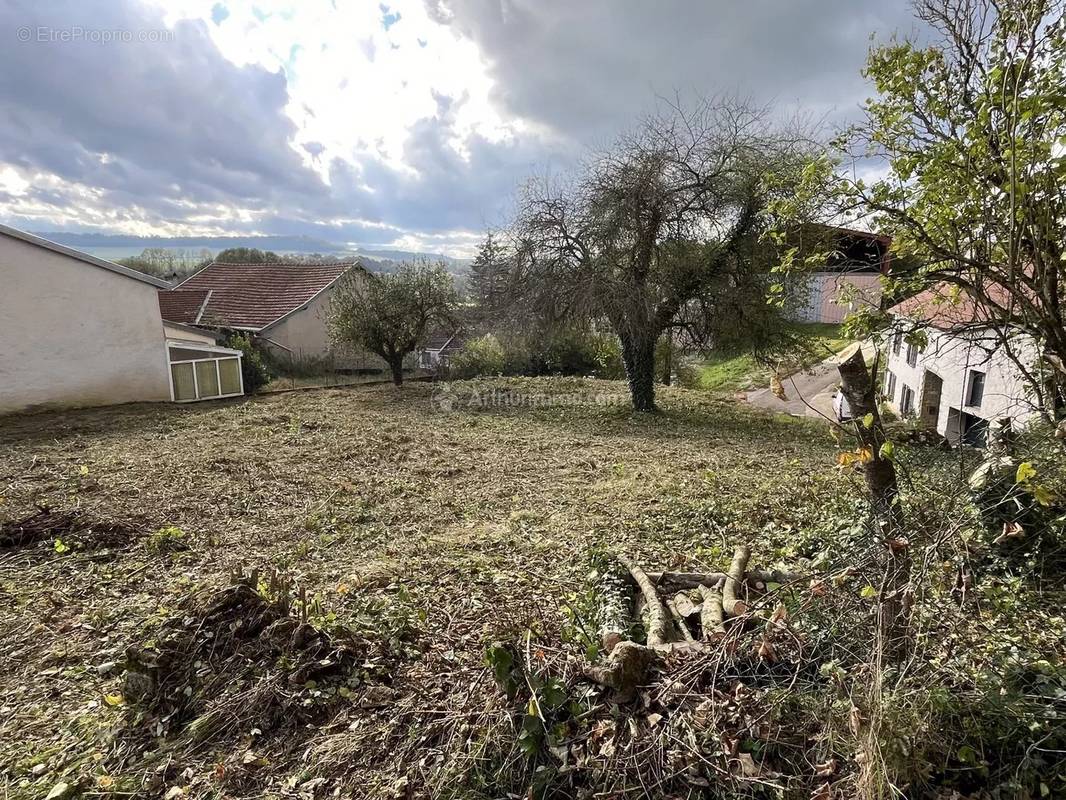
(252, 295)
(946, 307)
(182, 305)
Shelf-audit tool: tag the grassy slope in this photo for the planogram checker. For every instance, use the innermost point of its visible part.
(466, 512)
(723, 373)
(468, 526)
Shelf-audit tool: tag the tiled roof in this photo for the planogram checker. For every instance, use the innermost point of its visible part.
(182, 305)
(946, 307)
(254, 295)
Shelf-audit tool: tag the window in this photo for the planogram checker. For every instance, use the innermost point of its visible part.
(229, 375)
(912, 355)
(897, 342)
(204, 373)
(975, 388)
(906, 401)
(890, 385)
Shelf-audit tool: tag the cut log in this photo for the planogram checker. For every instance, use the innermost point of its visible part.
(732, 603)
(686, 634)
(670, 582)
(684, 605)
(658, 616)
(615, 616)
(712, 615)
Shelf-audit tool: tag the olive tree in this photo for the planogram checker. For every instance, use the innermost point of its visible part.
(391, 314)
(662, 231)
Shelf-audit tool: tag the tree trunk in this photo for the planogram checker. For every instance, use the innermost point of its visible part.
(892, 547)
(396, 365)
(638, 356)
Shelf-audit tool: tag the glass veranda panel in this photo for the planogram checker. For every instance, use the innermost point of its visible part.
(184, 388)
(189, 354)
(206, 379)
(229, 369)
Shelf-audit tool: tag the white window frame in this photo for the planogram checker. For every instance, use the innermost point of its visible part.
(224, 353)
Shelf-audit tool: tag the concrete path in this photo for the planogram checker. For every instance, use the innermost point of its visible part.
(809, 393)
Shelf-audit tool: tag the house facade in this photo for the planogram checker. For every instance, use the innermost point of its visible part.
(440, 348)
(961, 378)
(76, 330)
(282, 306)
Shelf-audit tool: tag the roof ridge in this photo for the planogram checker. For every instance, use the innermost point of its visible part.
(79, 255)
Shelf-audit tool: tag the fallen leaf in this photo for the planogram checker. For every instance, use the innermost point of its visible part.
(855, 720)
(826, 768)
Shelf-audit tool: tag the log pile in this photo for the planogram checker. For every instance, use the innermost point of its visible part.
(680, 612)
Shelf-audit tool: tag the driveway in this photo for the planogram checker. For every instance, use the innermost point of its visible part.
(809, 393)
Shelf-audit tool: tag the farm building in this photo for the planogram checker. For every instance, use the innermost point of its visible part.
(81, 331)
(282, 306)
(849, 280)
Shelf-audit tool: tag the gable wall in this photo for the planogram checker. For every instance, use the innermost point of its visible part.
(304, 336)
(73, 334)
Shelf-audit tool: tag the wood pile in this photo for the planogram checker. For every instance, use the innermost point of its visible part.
(680, 611)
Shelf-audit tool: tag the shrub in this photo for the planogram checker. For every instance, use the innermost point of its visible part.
(482, 356)
(569, 351)
(254, 370)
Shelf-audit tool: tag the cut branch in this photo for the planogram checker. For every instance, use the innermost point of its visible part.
(733, 605)
(615, 614)
(712, 615)
(686, 634)
(658, 616)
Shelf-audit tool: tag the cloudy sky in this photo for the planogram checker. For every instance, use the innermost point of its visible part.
(407, 123)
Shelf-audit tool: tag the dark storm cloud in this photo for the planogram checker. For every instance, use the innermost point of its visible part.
(588, 68)
(161, 130)
(169, 118)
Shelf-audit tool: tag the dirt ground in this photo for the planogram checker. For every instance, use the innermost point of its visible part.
(434, 530)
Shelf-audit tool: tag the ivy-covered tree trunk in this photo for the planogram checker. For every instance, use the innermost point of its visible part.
(891, 546)
(638, 356)
(396, 365)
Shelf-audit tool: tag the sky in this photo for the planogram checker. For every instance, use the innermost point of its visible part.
(403, 124)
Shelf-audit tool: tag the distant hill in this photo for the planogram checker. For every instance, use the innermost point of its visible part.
(116, 246)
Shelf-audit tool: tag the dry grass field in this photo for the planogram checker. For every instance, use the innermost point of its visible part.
(406, 536)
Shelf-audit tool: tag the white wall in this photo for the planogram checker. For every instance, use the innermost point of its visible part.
(75, 334)
(175, 334)
(952, 357)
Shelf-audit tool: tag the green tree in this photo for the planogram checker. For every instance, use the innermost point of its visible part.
(247, 255)
(390, 315)
(254, 371)
(972, 129)
(489, 277)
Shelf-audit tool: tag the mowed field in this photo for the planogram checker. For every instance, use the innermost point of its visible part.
(429, 532)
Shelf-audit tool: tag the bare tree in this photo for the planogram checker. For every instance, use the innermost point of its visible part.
(661, 231)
